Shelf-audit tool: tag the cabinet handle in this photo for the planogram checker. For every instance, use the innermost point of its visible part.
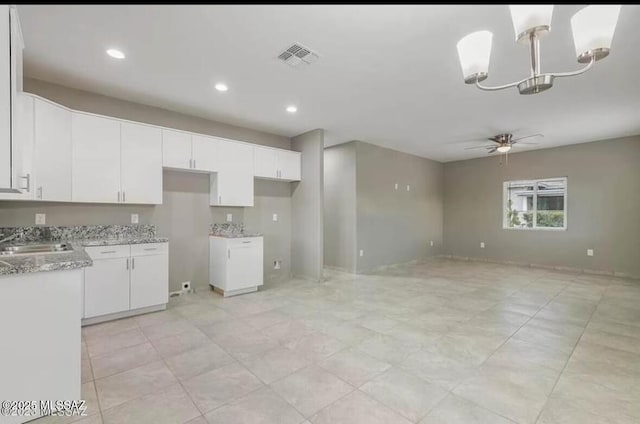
(28, 178)
(127, 263)
(194, 163)
(150, 248)
(40, 192)
(133, 263)
(118, 197)
(245, 242)
(228, 253)
(123, 194)
(108, 251)
(219, 200)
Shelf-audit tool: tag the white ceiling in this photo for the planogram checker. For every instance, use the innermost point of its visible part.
(388, 75)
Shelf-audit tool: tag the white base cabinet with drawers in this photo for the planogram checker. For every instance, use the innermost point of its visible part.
(235, 264)
(125, 280)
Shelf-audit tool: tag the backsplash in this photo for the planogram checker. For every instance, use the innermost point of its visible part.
(79, 232)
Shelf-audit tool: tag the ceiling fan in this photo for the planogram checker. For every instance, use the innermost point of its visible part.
(504, 142)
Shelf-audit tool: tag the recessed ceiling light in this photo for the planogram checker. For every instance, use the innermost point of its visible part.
(115, 53)
(292, 109)
(221, 86)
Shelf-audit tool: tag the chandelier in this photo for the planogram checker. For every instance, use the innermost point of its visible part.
(592, 27)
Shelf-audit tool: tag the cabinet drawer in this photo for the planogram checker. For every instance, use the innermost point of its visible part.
(108, 252)
(149, 249)
(245, 241)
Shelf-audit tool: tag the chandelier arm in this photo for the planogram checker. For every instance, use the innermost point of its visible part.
(578, 72)
(498, 87)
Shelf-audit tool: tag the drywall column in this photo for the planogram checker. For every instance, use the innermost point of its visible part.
(340, 207)
(307, 205)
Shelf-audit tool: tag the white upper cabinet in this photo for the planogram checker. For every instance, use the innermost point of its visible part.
(11, 161)
(95, 159)
(265, 162)
(23, 132)
(232, 185)
(176, 149)
(276, 164)
(204, 153)
(289, 165)
(141, 164)
(52, 167)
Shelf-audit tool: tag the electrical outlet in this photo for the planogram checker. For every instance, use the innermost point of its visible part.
(408, 187)
(431, 243)
(135, 218)
(361, 252)
(276, 264)
(41, 218)
(229, 217)
(481, 245)
(589, 252)
(396, 186)
(275, 216)
(186, 286)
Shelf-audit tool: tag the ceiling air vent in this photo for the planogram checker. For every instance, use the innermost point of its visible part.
(297, 54)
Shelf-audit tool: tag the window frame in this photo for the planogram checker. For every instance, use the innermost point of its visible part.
(535, 181)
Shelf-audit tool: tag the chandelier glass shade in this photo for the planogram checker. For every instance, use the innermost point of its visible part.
(593, 28)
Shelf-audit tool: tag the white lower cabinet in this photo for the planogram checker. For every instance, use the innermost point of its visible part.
(125, 279)
(106, 287)
(149, 276)
(235, 264)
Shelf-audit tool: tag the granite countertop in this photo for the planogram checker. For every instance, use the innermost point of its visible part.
(230, 230)
(58, 261)
(236, 235)
(79, 237)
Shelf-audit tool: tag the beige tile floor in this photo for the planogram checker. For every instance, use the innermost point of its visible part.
(438, 342)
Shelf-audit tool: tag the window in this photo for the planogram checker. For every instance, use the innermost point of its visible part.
(535, 204)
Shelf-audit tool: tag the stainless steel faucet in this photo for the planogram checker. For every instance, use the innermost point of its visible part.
(11, 237)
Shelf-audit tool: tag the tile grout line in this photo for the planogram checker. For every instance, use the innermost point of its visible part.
(571, 355)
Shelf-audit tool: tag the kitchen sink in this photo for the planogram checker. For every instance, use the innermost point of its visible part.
(30, 249)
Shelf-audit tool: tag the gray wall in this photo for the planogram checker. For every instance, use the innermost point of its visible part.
(185, 214)
(307, 208)
(603, 204)
(340, 207)
(395, 226)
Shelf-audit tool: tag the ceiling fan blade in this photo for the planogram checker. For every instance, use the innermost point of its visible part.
(492, 150)
(524, 142)
(527, 136)
(478, 147)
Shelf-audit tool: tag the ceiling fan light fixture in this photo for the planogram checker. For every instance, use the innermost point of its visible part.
(504, 148)
(474, 52)
(530, 18)
(593, 28)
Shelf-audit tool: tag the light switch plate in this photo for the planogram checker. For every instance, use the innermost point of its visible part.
(396, 186)
(275, 216)
(135, 218)
(589, 252)
(276, 264)
(361, 252)
(431, 243)
(481, 245)
(408, 187)
(41, 218)
(229, 217)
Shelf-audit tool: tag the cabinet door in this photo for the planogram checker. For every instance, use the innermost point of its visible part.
(5, 98)
(95, 159)
(149, 280)
(265, 162)
(204, 151)
(141, 161)
(52, 170)
(23, 133)
(233, 184)
(289, 165)
(106, 287)
(244, 267)
(176, 149)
